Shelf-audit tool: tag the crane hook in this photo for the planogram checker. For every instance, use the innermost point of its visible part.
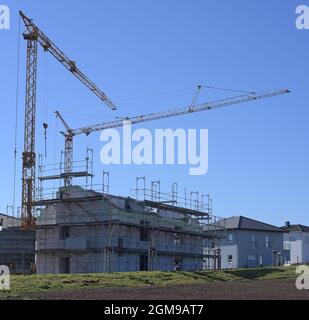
(45, 126)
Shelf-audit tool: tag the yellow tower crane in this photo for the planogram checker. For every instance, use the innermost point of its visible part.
(33, 36)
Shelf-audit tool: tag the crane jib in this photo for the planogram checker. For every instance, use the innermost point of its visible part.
(49, 46)
(177, 112)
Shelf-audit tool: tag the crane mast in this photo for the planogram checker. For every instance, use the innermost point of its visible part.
(68, 147)
(28, 156)
(70, 133)
(33, 36)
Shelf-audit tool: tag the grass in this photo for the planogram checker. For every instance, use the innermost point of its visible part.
(21, 286)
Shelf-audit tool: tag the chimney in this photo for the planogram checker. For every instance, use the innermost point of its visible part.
(287, 224)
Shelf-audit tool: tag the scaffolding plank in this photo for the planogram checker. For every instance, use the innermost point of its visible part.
(66, 175)
(162, 205)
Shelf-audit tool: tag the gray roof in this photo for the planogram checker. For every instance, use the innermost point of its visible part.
(295, 228)
(244, 223)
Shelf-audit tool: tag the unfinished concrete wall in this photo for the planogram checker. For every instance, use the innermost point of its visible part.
(17, 249)
(54, 263)
(84, 247)
(80, 234)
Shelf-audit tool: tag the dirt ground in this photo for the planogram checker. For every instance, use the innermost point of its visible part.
(231, 290)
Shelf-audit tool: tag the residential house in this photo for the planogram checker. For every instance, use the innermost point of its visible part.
(296, 243)
(248, 243)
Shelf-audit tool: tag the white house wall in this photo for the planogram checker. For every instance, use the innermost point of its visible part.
(305, 247)
(293, 242)
(297, 244)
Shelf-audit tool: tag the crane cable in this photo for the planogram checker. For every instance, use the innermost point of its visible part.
(16, 117)
(45, 124)
(55, 149)
(200, 87)
(228, 89)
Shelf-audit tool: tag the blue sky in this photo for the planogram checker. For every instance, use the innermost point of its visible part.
(148, 56)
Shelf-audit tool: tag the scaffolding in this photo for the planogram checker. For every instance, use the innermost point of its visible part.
(86, 229)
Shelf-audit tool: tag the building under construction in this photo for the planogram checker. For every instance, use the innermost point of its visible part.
(80, 230)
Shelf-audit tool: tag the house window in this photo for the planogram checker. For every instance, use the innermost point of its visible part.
(287, 246)
(267, 242)
(178, 240)
(144, 232)
(177, 237)
(253, 241)
(120, 246)
(230, 237)
(212, 244)
(120, 243)
(230, 258)
(127, 205)
(64, 233)
(64, 265)
(143, 263)
(292, 238)
(177, 264)
(307, 240)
